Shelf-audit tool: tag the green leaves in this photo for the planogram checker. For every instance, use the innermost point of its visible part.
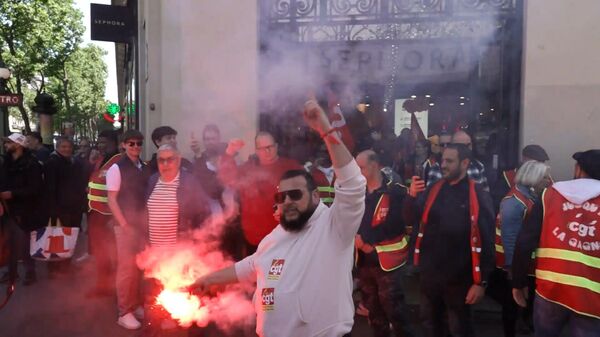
(40, 41)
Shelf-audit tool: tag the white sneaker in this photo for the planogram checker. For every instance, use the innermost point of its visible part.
(129, 322)
(139, 313)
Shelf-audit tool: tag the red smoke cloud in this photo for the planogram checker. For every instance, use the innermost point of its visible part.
(177, 267)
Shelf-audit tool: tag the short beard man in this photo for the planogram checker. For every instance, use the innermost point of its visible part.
(291, 224)
(297, 199)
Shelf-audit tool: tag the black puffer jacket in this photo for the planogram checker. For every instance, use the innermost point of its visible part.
(24, 179)
(65, 186)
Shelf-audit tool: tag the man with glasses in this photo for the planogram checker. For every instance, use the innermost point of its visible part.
(175, 200)
(302, 269)
(255, 182)
(126, 184)
(176, 204)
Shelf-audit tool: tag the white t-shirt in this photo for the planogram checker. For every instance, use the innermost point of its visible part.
(163, 213)
(303, 280)
(113, 177)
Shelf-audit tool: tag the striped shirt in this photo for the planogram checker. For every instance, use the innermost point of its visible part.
(163, 213)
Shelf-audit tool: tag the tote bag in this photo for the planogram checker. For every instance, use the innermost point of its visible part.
(53, 243)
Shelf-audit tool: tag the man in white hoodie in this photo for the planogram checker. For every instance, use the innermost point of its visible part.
(563, 227)
(302, 269)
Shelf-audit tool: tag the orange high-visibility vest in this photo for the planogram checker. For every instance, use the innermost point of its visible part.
(475, 240)
(97, 193)
(568, 257)
(528, 203)
(392, 253)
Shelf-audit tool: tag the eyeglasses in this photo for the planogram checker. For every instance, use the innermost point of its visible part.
(165, 161)
(138, 143)
(294, 195)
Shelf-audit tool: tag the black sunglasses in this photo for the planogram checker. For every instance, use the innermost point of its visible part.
(295, 195)
(138, 143)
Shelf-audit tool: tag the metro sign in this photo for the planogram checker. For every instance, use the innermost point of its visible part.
(10, 99)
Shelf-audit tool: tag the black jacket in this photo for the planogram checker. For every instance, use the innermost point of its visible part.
(65, 186)
(131, 192)
(25, 180)
(393, 225)
(193, 202)
(445, 249)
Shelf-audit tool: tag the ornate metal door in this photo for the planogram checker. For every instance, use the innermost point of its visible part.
(463, 55)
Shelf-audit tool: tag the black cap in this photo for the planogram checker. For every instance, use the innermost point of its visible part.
(535, 152)
(589, 161)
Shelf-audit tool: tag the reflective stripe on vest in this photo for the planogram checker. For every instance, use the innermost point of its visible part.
(528, 204)
(475, 236)
(328, 189)
(101, 187)
(97, 198)
(568, 257)
(392, 253)
(326, 194)
(97, 192)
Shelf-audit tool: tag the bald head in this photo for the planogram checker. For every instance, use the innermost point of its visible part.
(369, 164)
(461, 137)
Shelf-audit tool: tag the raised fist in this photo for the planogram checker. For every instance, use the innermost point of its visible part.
(315, 117)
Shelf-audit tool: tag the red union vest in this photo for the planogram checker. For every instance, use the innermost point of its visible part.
(568, 257)
(475, 235)
(392, 253)
(528, 203)
(97, 194)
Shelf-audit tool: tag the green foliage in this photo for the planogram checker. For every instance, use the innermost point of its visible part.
(86, 80)
(40, 41)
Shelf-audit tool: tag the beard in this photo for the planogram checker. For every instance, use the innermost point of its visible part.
(450, 175)
(299, 223)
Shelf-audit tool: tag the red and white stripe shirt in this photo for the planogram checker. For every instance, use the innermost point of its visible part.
(163, 213)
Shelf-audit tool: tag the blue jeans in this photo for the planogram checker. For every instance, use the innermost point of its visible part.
(550, 318)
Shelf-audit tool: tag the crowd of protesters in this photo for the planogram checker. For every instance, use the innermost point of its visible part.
(429, 203)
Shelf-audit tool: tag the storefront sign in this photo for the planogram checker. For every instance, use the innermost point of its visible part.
(374, 62)
(10, 99)
(112, 23)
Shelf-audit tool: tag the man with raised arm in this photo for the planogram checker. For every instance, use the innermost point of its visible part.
(302, 269)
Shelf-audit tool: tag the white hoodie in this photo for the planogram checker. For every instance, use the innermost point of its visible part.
(578, 191)
(304, 282)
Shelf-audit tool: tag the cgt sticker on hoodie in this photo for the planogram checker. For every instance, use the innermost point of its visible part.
(276, 269)
(268, 299)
